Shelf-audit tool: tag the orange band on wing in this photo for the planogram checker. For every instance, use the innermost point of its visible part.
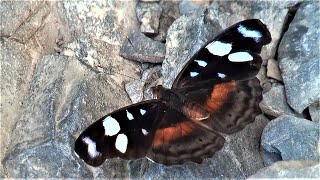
(219, 95)
(169, 134)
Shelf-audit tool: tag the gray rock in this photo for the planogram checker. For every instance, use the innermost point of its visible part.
(139, 90)
(43, 161)
(289, 169)
(100, 32)
(239, 158)
(274, 102)
(37, 25)
(149, 16)
(299, 58)
(187, 6)
(140, 48)
(16, 68)
(291, 138)
(273, 70)
(314, 110)
(169, 14)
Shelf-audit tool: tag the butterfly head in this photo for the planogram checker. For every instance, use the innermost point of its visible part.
(158, 91)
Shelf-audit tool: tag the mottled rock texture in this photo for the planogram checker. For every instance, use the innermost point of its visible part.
(291, 138)
(299, 57)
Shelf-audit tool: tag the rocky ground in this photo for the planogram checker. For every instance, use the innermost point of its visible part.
(65, 64)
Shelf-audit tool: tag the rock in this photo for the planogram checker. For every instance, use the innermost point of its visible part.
(148, 15)
(299, 59)
(240, 156)
(274, 103)
(36, 24)
(273, 70)
(101, 28)
(289, 169)
(169, 14)
(16, 68)
(187, 6)
(139, 90)
(43, 161)
(314, 110)
(291, 138)
(264, 81)
(140, 48)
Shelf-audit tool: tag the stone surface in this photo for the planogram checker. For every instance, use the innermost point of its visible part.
(16, 67)
(169, 14)
(54, 97)
(140, 48)
(190, 32)
(239, 158)
(38, 25)
(186, 6)
(314, 110)
(273, 70)
(149, 16)
(139, 90)
(299, 57)
(101, 28)
(291, 138)
(274, 102)
(290, 169)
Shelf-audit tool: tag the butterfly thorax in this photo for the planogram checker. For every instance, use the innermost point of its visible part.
(178, 102)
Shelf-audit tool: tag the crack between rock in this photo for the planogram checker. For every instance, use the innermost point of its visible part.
(290, 16)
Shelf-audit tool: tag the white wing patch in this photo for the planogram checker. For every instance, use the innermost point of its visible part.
(221, 75)
(111, 126)
(219, 48)
(256, 35)
(142, 111)
(145, 132)
(240, 57)
(121, 143)
(129, 115)
(92, 148)
(193, 74)
(201, 63)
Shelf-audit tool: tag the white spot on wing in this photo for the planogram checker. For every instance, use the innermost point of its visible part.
(256, 35)
(240, 57)
(111, 126)
(145, 132)
(149, 159)
(221, 75)
(92, 148)
(121, 143)
(193, 74)
(219, 48)
(129, 115)
(142, 111)
(201, 63)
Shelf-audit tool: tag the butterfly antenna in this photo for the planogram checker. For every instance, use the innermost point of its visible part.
(110, 71)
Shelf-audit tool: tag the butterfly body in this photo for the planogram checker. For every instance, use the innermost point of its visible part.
(216, 92)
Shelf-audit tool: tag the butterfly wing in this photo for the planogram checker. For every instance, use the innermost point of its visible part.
(220, 77)
(232, 105)
(126, 133)
(178, 140)
(232, 55)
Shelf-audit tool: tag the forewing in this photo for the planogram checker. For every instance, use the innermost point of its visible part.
(233, 55)
(179, 140)
(126, 133)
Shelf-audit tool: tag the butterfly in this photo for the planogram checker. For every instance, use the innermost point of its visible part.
(216, 92)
